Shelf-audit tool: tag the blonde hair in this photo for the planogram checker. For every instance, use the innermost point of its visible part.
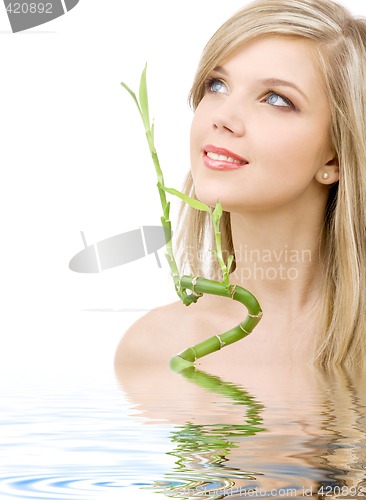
(339, 41)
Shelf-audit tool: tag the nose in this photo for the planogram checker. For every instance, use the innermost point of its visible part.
(229, 118)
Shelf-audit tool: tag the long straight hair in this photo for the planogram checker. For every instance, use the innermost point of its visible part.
(339, 41)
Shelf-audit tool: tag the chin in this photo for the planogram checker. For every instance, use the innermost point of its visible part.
(209, 193)
(207, 196)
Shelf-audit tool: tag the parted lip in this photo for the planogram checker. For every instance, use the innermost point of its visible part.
(209, 148)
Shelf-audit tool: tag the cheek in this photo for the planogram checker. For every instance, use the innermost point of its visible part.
(201, 120)
(197, 126)
(295, 151)
(193, 132)
(198, 134)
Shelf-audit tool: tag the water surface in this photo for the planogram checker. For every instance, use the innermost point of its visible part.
(284, 432)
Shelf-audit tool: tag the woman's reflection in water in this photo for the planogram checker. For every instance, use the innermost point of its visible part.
(270, 431)
(344, 423)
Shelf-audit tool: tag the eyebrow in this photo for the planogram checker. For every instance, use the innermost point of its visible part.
(277, 82)
(269, 82)
(220, 69)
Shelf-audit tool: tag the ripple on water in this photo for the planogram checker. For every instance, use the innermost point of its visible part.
(80, 484)
(75, 442)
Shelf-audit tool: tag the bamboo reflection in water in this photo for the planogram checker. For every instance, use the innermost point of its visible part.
(202, 450)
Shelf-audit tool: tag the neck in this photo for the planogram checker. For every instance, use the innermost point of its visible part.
(278, 257)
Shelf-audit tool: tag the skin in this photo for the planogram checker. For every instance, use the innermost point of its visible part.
(276, 201)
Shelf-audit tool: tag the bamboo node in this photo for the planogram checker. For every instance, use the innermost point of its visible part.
(222, 344)
(194, 353)
(183, 354)
(194, 283)
(259, 315)
(233, 291)
(243, 329)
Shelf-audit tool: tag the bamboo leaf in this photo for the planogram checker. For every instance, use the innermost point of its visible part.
(230, 262)
(144, 101)
(217, 213)
(167, 210)
(187, 199)
(133, 95)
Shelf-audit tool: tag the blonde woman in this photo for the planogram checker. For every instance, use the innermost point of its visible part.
(278, 136)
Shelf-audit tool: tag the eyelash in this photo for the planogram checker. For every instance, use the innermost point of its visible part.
(210, 81)
(269, 93)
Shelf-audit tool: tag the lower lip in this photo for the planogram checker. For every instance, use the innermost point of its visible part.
(221, 164)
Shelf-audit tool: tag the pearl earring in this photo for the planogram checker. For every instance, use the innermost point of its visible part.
(326, 175)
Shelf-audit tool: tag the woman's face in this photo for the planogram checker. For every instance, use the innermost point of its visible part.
(260, 135)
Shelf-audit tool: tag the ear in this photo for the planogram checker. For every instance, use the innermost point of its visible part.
(329, 173)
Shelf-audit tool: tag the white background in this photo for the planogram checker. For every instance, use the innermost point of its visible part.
(74, 158)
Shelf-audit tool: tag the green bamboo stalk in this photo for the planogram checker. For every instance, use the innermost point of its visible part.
(187, 357)
(143, 108)
(197, 286)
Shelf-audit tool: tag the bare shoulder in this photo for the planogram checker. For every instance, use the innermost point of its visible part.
(169, 329)
(156, 336)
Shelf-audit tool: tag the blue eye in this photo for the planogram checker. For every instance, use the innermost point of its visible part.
(216, 86)
(277, 100)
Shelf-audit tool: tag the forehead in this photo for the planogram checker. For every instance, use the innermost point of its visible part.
(282, 57)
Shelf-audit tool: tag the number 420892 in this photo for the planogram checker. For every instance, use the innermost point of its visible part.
(29, 8)
(348, 491)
